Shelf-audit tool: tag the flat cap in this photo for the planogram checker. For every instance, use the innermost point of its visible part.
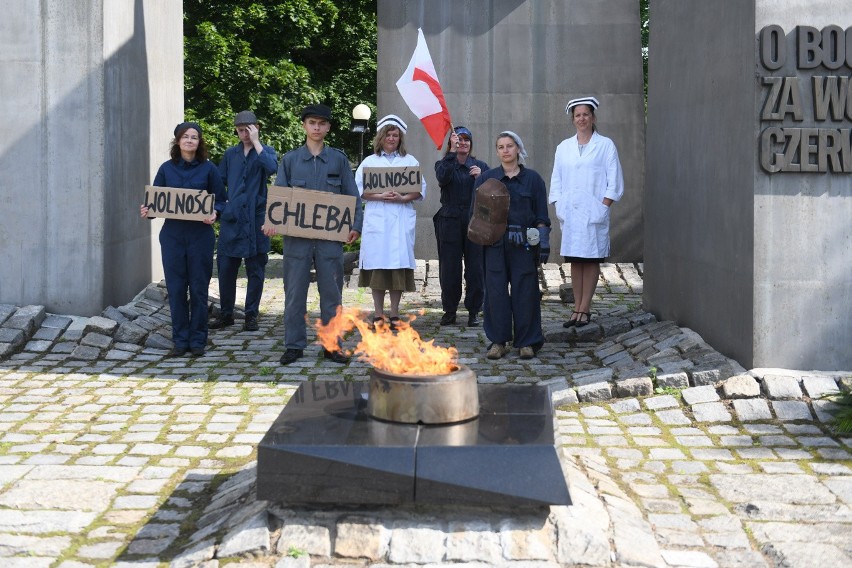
(319, 111)
(245, 117)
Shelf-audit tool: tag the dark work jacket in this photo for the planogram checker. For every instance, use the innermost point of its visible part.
(240, 224)
(527, 196)
(190, 175)
(456, 183)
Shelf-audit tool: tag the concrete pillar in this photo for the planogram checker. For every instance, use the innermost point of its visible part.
(91, 91)
(513, 65)
(757, 261)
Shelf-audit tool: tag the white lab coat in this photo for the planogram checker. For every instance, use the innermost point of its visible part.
(578, 187)
(387, 239)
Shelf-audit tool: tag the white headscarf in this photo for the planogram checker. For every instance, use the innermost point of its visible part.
(522, 153)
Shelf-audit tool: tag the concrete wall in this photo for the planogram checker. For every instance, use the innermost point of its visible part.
(79, 114)
(758, 263)
(513, 65)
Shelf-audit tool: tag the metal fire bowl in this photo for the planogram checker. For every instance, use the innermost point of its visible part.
(423, 399)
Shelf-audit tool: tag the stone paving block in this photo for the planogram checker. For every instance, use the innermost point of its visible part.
(85, 353)
(825, 410)
(710, 412)
(752, 409)
(661, 402)
(93, 339)
(58, 322)
(6, 310)
(740, 386)
(701, 375)
(49, 334)
(676, 366)
(672, 380)
(594, 392)
(673, 417)
(101, 325)
(12, 336)
(688, 558)
(791, 409)
(817, 386)
(157, 341)
(640, 386)
(38, 346)
(781, 387)
(669, 354)
(114, 314)
(593, 376)
(695, 395)
(26, 318)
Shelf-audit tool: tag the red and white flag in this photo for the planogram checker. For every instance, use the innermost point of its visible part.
(422, 92)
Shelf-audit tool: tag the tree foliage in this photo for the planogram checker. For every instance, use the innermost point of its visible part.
(274, 57)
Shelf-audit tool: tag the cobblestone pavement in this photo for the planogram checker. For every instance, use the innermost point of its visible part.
(675, 456)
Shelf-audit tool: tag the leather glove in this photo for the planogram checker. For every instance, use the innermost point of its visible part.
(516, 237)
(543, 244)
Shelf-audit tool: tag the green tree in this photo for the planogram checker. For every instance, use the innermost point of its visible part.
(274, 57)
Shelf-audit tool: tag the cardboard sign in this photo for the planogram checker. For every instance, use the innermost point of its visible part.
(402, 180)
(310, 214)
(179, 203)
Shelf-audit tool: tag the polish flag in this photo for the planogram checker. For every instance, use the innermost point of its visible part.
(422, 92)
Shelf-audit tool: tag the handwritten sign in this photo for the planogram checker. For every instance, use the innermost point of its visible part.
(402, 180)
(310, 214)
(179, 203)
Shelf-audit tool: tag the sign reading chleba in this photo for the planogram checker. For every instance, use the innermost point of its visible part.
(821, 89)
(309, 213)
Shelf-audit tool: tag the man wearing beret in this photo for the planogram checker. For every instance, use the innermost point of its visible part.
(244, 168)
(316, 166)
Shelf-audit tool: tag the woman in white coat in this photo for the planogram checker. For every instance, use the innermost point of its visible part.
(387, 242)
(586, 180)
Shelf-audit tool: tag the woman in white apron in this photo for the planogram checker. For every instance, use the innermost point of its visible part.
(387, 242)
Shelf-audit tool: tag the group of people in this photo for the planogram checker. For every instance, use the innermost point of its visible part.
(499, 279)
(502, 277)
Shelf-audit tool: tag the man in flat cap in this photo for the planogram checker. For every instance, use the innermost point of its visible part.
(316, 166)
(245, 169)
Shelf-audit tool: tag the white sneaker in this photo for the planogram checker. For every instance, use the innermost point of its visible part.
(497, 350)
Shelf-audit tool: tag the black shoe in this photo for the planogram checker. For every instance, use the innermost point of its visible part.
(571, 322)
(394, 323)
(251, 323)
(221, 321)
(196, 351)
(473, 320)
(291, 355)
(335, 356)
(177, 352)
(448, 318)
(583, 322)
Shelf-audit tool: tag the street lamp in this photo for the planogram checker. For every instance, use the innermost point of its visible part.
(361, 124)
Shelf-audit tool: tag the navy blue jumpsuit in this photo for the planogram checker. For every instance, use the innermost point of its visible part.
(187, 251)
(451, 222)
(515, 316)
(240, 235)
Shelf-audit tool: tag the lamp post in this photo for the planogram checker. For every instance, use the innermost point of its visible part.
(361, 124)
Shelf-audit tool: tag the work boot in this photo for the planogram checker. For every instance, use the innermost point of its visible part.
(497, 350)
(527, 352)
(251, 323)
(291, 355)
(473, 320)
(449, 318)
(335, 356)
(221, 321)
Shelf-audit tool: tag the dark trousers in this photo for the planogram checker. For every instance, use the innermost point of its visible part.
(516, 314)
(187, 251)
(229, 267)
(453, 248)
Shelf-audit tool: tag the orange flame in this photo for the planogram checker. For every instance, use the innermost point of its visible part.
(403, 352)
